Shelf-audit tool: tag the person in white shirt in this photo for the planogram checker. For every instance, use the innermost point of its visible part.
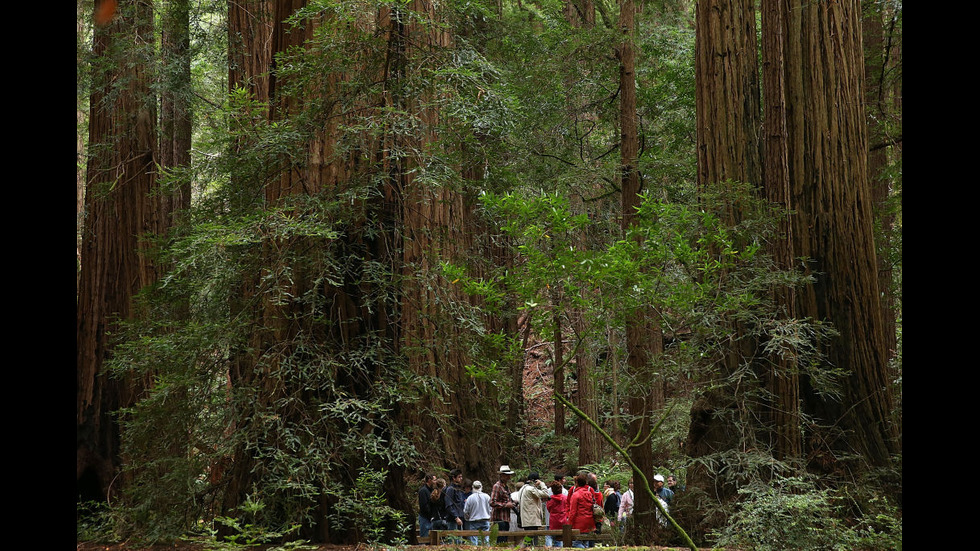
(476, 513)
(626, 504)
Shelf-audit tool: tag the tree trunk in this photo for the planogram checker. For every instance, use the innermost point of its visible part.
(559, 362)
(728, 122)
(589, 441)
(120, 208)
(644, 337)
(782, 380)
(175, 116)
(833, 227)
(440, 225)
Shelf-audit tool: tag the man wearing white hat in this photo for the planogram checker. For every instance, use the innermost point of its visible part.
(501, 503)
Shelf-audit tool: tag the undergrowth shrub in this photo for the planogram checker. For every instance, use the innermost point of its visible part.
(792, 513)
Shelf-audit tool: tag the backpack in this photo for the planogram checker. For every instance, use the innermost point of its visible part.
(598, 513)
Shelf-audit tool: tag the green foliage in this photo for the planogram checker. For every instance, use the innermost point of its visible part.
(245, 534)
(366, 508)
(96, 522)
(246, 357)
(793, 513)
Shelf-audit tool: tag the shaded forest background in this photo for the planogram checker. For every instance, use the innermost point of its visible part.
(325, 246)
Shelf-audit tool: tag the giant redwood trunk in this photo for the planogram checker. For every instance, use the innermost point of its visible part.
(783, 413)
(378, 310)
(120, 208)
(440, 224)
(832, 195)
(728, 149)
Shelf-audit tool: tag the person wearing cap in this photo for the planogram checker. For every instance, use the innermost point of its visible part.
(663, 492)
(533, 495)
(500, 502)
(477, 511)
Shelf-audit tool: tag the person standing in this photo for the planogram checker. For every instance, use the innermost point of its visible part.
(533, 495)
(438, 507)
(579, 510)
(455, 497)
(476, 512)
(597, 498)
(501, 503)
(626, 504)
(612, 501)
(557, 507)
(664, 493)
(425, 514)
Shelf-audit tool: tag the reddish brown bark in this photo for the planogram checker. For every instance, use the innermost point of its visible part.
(728, 148)
(644, 337)
(832, 195)
(120, 209)
(783, 382)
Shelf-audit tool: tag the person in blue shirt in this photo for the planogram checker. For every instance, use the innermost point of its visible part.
(662, 491)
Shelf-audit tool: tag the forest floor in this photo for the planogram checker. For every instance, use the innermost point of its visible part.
(188, 546)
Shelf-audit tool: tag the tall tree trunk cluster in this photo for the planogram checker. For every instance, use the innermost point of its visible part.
(354, 354)
(810, 158)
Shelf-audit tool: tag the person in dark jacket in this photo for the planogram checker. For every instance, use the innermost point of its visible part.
(455, 499)
(425, 515)
(611, 503)
(438, 508)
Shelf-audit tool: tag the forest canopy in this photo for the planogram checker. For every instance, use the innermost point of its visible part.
(328, 247)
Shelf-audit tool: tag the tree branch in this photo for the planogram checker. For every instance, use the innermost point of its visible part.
(637, 473)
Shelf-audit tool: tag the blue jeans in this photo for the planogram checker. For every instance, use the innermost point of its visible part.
(424, 526)
(478, 525)
(552, 541)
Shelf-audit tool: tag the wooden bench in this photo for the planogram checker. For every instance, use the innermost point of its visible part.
(567, 535)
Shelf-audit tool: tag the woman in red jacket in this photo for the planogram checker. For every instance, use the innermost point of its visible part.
(579, 509)
(557, 506)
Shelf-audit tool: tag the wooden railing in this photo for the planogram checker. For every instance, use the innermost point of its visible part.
(567, 535)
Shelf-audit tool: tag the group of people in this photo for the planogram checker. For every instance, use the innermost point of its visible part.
(535, 505)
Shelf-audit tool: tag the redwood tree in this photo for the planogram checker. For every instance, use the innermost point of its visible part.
(833, 227)
(644, 337)
(121, 209)
(728, 149)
